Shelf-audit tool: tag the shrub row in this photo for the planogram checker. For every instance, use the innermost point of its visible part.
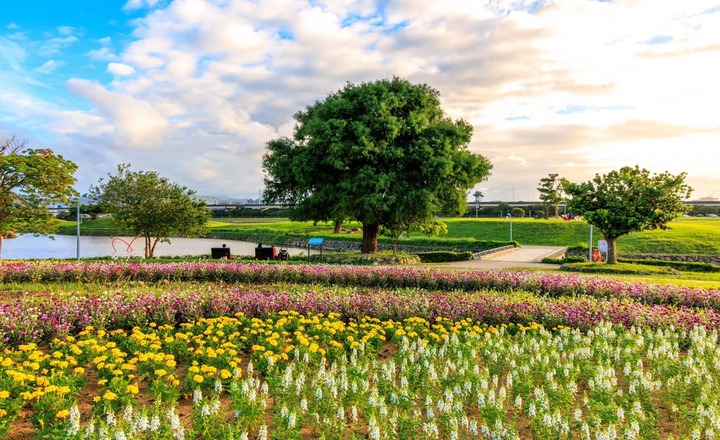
(443, 256)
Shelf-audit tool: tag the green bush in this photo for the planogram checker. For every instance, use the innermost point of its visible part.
(686, 266)
(443, 256)
(517, 212)
(565, 260)
(618, 269)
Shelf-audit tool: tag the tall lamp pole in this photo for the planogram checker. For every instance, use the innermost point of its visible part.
(78, 229)
(78, 226)
(509, 216)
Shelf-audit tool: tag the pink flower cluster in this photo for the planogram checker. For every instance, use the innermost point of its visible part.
(538, 283)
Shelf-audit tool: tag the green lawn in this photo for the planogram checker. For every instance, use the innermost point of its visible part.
(698, 236)
(692, 236)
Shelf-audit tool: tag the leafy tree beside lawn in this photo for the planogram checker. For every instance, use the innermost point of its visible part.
(383, 153)
(30, 182)
(628, 200)
(551, 193)
(151, 206)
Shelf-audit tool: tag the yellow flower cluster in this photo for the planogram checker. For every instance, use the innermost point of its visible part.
(162, 362)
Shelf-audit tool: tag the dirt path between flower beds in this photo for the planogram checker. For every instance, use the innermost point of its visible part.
(522, 257)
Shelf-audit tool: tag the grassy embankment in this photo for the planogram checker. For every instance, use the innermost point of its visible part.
(687, 236)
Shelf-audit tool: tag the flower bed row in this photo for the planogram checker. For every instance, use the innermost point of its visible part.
(380, 277)
(37, 317)
(290, 376)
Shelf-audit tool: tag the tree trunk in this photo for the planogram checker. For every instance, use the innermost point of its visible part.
(611, 255)
(338, 224)
(1, 240)
(547, 211)
(370, 238)
(148, 250)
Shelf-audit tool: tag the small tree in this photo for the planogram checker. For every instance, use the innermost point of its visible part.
(517, 212)
(151, 206)
(551, 193)
(30, 182)
(628, 200)
(371, 151)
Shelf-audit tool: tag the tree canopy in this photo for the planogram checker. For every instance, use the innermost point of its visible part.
(31, 181)
(551, 193)
(382, 152)
(628, 200)
(149, 205)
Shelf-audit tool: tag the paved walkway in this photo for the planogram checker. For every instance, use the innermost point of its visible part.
(522, 257)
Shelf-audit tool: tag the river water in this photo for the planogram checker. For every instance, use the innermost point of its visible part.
(28, 247)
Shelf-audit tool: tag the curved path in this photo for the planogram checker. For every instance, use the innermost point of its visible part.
(522, 257)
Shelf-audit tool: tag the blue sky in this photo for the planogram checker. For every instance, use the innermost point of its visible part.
(195, 88)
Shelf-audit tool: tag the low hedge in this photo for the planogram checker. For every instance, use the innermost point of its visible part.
(686, 266)
(443, 256)
(618, 269)
(565, 260)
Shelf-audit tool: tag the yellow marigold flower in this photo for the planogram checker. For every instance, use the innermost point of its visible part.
(96, 399)
(313, 347)
(62, 414)
(102, 382)
(3, 413)
(62, 390)
(109, 395)
(194, 369)
(199, 379)
(225, 374)
(4, 394)
(132, 389)
(160, 373)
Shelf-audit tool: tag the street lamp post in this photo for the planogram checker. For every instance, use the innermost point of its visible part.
(78, 226)
(78, 229)
(509, 216)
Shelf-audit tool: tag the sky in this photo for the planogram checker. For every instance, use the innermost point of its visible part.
(194, 89)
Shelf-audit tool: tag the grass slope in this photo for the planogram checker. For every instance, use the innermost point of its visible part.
(693, 236)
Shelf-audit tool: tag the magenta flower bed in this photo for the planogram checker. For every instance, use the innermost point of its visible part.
(543, 284)
(44, 316)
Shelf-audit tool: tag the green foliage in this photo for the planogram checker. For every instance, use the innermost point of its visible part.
(618, 269)
(564, 260)
(628, 200)
(147, 204)
(382, 153)
(551, 193)
(517, 212)
(31, 181)
(686, 266)
(443, 256)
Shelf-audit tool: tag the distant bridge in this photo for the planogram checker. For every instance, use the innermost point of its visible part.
(471, 205)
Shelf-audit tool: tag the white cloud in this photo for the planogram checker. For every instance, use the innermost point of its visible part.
(49, 66)
(120, 69)
(137, 123)
(563, 87)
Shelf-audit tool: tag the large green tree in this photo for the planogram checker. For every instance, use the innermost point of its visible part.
(31, 180)
(628, 200)
(382, 153)
(551, 193)
(149, 205)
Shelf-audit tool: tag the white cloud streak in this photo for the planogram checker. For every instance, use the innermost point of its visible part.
(563, 87)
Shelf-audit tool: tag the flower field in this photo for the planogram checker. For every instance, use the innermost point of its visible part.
(233, 351)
